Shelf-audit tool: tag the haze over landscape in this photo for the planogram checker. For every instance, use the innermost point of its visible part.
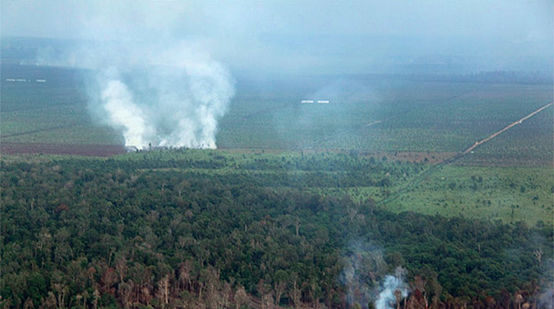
(277, 154)
(313, 36)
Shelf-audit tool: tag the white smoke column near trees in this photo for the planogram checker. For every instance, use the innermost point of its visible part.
(363, 264)
(123, 114)
(149, 76)
(171, 97)
(391, 286)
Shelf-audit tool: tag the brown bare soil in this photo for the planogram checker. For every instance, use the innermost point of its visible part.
(413, 156)
(503, 160)
(62, 149)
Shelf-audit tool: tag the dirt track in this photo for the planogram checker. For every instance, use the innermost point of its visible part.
(495, 134)
(422, 176)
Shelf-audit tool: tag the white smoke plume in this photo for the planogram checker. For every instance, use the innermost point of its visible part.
(545, 297)
(393, 289)
(169, 96)
(364, 264)
(152, 81)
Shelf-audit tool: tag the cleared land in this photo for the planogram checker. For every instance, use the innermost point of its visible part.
(404, 117)
(62, 149)
(511, 125)
(367, 114)
(52, 112)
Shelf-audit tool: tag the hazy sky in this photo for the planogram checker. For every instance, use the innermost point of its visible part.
(342, 36)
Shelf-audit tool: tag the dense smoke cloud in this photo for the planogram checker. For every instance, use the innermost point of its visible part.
(315, 36)
(393, 289)
(155, 87)
(365, 277)
(160, 95)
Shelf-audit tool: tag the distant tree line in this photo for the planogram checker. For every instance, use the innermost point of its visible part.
(515, 77)
(500, 77)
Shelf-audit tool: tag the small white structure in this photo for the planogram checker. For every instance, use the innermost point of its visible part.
(307, 101)
(323, 101)
(41, 80)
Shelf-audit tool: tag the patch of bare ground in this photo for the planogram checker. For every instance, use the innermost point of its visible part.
(417, 156)
(504, 160)
(62, 149)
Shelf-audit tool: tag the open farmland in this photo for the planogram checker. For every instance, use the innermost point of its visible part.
(54, 111)
(529, 143)
(373, 114)
(387, 116)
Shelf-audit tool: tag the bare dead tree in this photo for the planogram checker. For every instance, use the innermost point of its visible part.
(241, 298)
(163, 290)
(295, 294)
(278, 290)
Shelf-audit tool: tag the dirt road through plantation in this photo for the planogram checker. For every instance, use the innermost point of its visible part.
(495, 134)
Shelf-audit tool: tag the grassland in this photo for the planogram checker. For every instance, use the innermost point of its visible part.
(509, 194)
(53, 112)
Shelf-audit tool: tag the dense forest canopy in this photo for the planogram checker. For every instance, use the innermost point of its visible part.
(218, 229)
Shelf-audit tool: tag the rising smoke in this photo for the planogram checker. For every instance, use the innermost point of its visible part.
(364, 263)
(545, 297)
(393, 289)
(170, 96)
(148, 81)
(364, 267)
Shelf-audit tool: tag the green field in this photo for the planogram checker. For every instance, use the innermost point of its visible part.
(528, 144)
(386, 116)
(509, 194)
